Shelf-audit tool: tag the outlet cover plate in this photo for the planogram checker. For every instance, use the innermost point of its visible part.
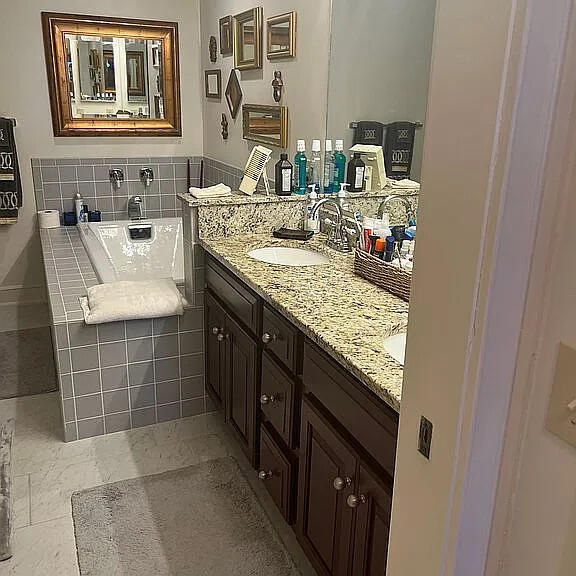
(561, 421)
(425, 437)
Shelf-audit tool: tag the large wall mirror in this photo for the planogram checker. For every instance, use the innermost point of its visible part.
(112, 76)
(380, 58)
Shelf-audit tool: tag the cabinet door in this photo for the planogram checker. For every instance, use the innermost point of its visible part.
(215, 349)
(241, 353)
(326, 479)
(373, 501)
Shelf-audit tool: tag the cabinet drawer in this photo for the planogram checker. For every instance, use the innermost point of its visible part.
(241, 302)
(277, 399)
(277, 473)
(280, 337)
(371, 423)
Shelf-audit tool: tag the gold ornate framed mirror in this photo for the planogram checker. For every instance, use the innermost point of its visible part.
(281, 36)
(265, 124)
(112, 76)
(248, 39)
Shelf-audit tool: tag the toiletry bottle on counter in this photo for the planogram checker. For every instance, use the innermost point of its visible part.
(339, 166)
(356, 172)
(300, 167)
(312, 223)
(78, 206)
(327, 184)
(315, 165)
(283, 176)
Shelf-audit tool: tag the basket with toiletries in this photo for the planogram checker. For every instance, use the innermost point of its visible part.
(387, 275)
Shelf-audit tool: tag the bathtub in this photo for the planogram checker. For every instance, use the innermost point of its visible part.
(135, 250)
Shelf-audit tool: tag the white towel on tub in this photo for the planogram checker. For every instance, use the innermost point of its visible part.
(132, 300)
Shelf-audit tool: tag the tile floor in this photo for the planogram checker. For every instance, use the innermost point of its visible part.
(46, 471)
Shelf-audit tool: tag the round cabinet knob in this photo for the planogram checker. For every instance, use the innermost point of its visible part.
(354, 501)
(220, 337)
(267, 338)
(265, 399)
(215, 330)
(341, 483)
(263, 475)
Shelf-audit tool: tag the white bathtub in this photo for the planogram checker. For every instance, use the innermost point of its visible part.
(115, 256)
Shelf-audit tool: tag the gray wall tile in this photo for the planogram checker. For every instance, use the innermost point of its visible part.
(142, 397)
(192, 319)
(69, 411)
(192, 407)
(90, 428)
(143, 417)
(167, 325)
(192, 365)
(116, 401)
(192, 387)
(113, 354)
(117, 422)
(191, 342)
(61, 335)
(166, 346)
(140, 350)
(84, 358)
(114, 378)
(140, 374)
(70, 432)
(86, 382)
(111, 332)
(168, 412)
(167, 392)
(63, 362)
(138, 328)
(81, 334)
(66, 386)
(88, 406)
(167, 369)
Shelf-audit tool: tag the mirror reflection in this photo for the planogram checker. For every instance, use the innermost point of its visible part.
(248, 47)
(266, 124)
(114, 77)
(280, 36)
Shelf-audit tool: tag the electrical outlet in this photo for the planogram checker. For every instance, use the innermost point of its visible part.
(425, 437)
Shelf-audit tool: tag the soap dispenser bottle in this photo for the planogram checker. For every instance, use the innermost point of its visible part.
(300, 167)
(312, 223)
(283, 176)
(339, 166)
(356, 172)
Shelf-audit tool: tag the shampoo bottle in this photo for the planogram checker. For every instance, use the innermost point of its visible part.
(356, 171)
(78, 206)
(339, 166)
(283, 176)
(327, 184)
(300, 166)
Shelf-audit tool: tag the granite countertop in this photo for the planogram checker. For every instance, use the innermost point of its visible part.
(344, 314)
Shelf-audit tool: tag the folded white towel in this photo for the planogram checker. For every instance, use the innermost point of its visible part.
(217, 191)
(406, 183)
(132, 300)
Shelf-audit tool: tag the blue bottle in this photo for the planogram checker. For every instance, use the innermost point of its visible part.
(300, 168)
(339, 167)
(328, 180)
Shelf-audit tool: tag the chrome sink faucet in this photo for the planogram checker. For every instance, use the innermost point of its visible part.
(404, 199)
(340, 237)
(135, 211)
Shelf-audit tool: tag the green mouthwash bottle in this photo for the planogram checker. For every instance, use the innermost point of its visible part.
(339, 167)
(300, 167)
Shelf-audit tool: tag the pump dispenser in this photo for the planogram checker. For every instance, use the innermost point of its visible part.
(312, 223)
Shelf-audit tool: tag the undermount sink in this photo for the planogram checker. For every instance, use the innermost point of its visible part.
(284, 256)
(396, 347)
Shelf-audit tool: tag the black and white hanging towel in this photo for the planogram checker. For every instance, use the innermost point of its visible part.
(10, 183)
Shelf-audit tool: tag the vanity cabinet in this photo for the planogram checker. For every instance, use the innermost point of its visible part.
(322, 443)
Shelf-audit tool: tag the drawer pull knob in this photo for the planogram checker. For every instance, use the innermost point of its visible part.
(267, 338)
(263, 475)
(215, 330)
(267, 399)
(341, 483)
(354, 501)
(220, 337)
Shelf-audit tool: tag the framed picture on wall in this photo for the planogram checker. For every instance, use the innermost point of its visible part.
(213, 84)
(233, 94)
(226, 36)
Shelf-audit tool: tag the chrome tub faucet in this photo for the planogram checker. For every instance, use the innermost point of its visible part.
(135, 211)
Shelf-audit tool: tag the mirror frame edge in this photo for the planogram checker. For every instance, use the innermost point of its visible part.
(171, 125)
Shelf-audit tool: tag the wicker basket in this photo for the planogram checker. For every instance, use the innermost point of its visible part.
(383, 274)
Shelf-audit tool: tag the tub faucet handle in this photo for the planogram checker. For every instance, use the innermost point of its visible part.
(146, 176)
(116, 178)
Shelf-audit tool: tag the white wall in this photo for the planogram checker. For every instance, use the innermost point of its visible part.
(305, 77)
(380, 65)
(24, 95)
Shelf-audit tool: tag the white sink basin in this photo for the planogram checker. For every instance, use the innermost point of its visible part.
(396, 347)
(283, 256)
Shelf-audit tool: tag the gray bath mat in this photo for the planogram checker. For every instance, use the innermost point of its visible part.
(199, 521)
(26, 362)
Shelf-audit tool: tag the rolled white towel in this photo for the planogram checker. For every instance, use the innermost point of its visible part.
(217, 191)
(406, 183)
(132, 300)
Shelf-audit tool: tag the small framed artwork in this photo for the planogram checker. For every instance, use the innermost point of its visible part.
(226, 36)
(281, 36)
(213, 84)
(233, 94)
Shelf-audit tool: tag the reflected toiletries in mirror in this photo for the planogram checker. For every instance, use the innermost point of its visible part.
(114, 77)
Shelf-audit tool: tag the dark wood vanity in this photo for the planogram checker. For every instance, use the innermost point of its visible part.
(321, 441)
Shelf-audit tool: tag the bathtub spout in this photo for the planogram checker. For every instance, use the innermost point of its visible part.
(135, 208)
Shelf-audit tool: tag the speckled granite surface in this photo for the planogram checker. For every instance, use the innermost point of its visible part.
(344, 314)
